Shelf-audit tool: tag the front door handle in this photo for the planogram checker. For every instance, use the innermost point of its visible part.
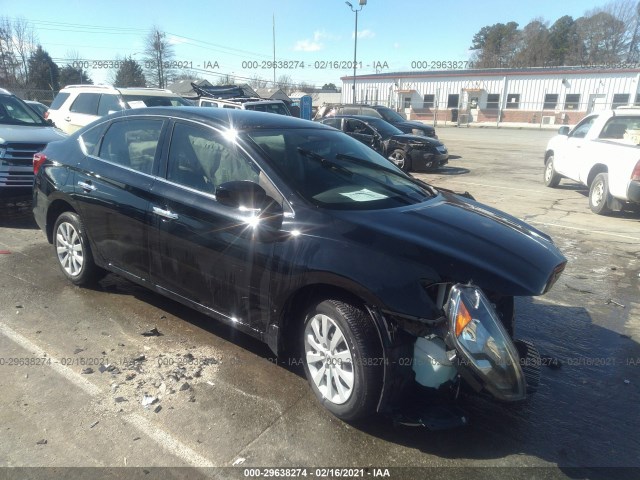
(87, 186)
(165, 213)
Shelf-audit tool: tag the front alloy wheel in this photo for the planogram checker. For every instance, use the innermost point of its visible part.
(342, 358)
(399, 157)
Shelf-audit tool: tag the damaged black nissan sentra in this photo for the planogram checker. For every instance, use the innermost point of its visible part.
(303, 237)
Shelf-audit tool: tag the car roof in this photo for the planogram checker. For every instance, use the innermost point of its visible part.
(236, 118)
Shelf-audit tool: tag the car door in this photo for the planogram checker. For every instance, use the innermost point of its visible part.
(360, 131)
(575, 152)
(203, 251)
(113, 186)
(83, 111)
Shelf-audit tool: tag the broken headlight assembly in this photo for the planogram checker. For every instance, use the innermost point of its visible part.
(487, 357)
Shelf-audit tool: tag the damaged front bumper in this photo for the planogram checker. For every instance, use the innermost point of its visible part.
(468, 344)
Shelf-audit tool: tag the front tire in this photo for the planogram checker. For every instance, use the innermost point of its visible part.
(342, 358)
(599, 196)
(400, 158)
(72, 250)
(551, 177)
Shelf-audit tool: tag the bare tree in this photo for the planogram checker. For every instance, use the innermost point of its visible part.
(17, 44)
(257, 81)
(25, 45)
(225, 79)
(285, 83)
(158, 58)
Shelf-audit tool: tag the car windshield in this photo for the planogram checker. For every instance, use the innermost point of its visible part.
(15, 112)
(384, 127)
(156, 100)
(390, 115)
(332, 170)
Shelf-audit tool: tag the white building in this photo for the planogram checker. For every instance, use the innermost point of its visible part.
(559, 95)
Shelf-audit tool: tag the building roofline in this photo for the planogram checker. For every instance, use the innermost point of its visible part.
(489, 72)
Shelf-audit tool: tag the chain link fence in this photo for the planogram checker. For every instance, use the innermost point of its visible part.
(42, 96)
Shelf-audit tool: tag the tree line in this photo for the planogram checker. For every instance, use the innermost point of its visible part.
(606, 36)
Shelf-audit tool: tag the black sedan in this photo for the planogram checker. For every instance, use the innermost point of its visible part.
(407, 151)
(303, 237)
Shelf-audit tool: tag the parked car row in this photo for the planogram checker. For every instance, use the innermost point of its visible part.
(298, 234)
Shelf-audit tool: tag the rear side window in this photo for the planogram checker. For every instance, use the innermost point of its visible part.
(59, 100)
(90, 140)
(86, 103)
(108, 103)
(626, 129)
(132, 143)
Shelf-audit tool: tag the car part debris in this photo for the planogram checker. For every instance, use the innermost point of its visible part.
(152, 333)
(613, 302)
(238, 461)
(41, 442)
(94, 423)
(87, 371)
(148, 400)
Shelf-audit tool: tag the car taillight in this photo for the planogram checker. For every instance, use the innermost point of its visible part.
(38, 159)
(635, 175)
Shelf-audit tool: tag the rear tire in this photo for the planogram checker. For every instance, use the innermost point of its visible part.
(73, 251)
(551, 177)
(599, 196)
(342, 358)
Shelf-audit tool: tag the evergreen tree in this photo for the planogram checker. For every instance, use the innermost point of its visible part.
(130, 74)
(43, 72)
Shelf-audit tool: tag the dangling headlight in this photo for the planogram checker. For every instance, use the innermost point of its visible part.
(486, 350)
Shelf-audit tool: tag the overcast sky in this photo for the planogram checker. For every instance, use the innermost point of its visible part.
(220, 37)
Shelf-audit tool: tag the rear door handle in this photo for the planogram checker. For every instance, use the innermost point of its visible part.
(165, 213)
(87, 186)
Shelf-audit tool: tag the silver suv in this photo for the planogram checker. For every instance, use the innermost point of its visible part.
(78, 105)
(22, 134)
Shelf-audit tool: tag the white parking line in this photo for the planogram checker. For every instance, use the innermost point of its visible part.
(164, 439)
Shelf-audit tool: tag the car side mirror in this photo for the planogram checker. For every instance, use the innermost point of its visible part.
(564, 130)
(248, 196)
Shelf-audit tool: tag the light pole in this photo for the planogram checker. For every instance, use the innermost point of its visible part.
(355, 43)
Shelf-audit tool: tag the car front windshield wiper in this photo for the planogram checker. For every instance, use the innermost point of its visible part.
(415, 181)
(328, 164)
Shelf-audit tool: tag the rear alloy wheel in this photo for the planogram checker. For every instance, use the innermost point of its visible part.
(551, 178)
(399, 157)
(342, 359)
(599, 195)
(73, 251)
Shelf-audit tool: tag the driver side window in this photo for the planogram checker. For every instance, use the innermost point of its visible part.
(202, 159)
(583, 128)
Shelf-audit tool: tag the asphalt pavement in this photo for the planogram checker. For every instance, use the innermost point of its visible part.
(85, 393)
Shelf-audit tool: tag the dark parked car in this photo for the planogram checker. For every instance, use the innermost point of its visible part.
(23, 132)
(305, 238)
(39, 108)
(386, 113)
(408, 152)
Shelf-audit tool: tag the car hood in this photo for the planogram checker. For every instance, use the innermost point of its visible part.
(418, 125)
(408, 138)
(466, 241)
(29, 134)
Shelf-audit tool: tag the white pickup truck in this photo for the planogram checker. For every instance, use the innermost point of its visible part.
(601, 152)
